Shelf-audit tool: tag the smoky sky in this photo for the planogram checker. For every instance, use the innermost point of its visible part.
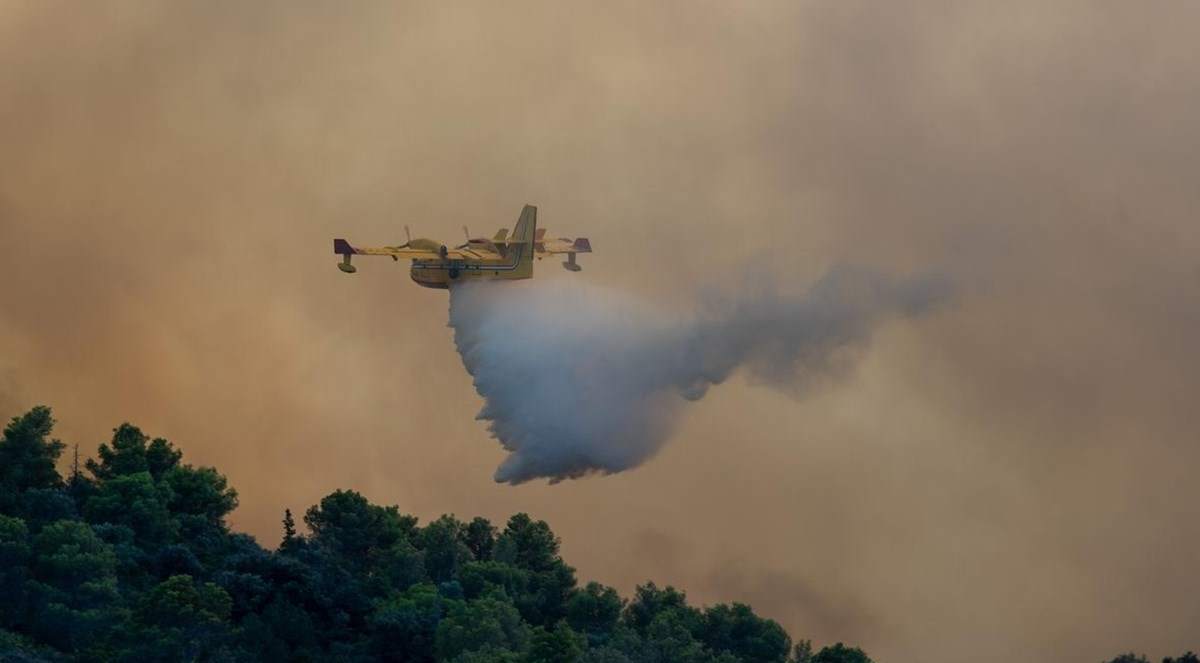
(1008, 476)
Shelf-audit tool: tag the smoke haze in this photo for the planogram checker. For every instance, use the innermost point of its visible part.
(1011, 477)
(580, 380)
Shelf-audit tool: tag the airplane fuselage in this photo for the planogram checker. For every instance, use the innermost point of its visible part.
(444, 273)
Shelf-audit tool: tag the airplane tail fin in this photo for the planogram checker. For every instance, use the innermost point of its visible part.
(523, 234)
(526, 227)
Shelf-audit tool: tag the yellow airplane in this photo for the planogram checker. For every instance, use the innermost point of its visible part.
(502, 257)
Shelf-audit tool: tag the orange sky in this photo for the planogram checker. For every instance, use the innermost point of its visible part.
(1012, 476)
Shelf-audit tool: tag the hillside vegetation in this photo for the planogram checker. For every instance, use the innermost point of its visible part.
(129, 559)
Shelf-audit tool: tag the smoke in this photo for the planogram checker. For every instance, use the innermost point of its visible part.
(578, 379)
(8, 394)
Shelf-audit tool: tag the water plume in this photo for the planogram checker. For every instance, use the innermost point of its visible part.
(578, 379)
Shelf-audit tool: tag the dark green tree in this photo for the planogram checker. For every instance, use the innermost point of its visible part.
(528, 544)
(154, 574)
(15, 552)
(671, 636)
(72, 587)
(78, 485)
(494, 580)
(557, 645)
(595, 611)
(840, 653)
(1189, 657)
(606, 654)
(480, 538)
(180, 619)
(445, 551)
(531, 545)
(488, 655)
(133, 452)
(803, 652)
(27, 458)
(482, 624)
(404, 628)
(737, 630)
(16, 648)
(649, 602)
(136, 501)
(200, 492)
(283, 627)
(289, 530)
(199, 501)
(357, 533)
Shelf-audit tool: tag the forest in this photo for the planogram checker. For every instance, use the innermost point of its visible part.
(129, 558)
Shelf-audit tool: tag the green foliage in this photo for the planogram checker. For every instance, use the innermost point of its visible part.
(480, 538)
(27, 458)
(72, 587)
(488, 655)
(15, 551)
(595, 612)
(68, 555)
(1130, 658)
(605, 655)
(15, 648)
(132, 452)
(199, 492)
(803, 652)
(136, 501)
(445, 551)
(528, 544)
(650, 602)
(360, 535)
(483, 624)
(289, 530)
(40, 506)
(136, 564)
(182, 601)
(179, 619)
(404, 628)
(671, 636)
(840, 653)
(531, 545)
(558, 645)
(495, 580)
(737, 630)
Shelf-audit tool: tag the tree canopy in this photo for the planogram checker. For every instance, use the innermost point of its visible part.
(134, 562)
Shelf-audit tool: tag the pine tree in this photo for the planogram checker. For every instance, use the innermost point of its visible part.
(289, 530)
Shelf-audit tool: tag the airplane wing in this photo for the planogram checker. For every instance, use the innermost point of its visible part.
(544, 247)
(476, 253)
(563, 245)
(344, 249)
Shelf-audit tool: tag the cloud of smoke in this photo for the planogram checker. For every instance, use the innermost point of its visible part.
(578, 380)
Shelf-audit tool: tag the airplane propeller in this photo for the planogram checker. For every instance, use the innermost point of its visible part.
(406, 245)
(467, 234)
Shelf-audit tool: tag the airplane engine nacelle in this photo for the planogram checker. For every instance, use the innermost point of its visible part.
(423, 244)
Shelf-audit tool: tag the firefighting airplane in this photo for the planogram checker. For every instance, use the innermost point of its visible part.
(502, 257)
